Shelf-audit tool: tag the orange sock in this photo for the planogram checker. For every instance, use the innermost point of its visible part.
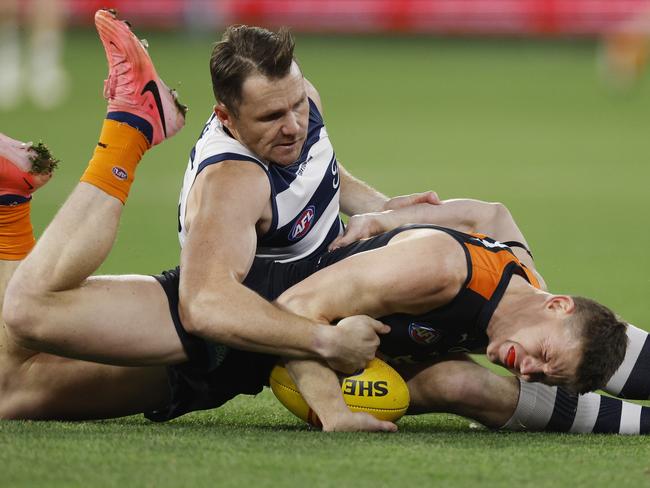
(118, 152)
(16, 233)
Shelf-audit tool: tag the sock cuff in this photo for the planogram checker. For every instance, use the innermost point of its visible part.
(134, 121)
(16, 232)
(118, 152)
(534, 408)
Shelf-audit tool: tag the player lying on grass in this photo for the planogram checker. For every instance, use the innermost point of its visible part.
(38, 385)
(64, 296)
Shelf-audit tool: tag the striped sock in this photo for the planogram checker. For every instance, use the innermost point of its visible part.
(632, 379)
(553, 409)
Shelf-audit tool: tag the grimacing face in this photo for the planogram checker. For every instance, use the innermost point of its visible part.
(547, 352)
(272, 118)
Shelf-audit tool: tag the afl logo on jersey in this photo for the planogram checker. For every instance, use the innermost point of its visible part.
(120, 173)
(423, 334)
(302, 224)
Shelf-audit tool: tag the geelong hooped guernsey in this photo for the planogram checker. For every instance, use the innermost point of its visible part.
(304, 195)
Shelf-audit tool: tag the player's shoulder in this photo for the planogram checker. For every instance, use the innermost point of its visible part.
(244, 175)
(216, 146)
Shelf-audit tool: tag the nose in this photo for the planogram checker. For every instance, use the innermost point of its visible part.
(531, 366)
(290, 127)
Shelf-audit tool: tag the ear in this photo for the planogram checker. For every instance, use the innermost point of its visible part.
(560, 303)
(223, 114)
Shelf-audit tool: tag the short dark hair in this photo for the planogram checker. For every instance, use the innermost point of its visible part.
(604, 342)
(244, 51)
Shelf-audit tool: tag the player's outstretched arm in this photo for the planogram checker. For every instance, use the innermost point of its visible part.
(465, 215)
(357, 197)
(217, 256)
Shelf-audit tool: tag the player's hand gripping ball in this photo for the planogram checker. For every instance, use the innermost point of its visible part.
(378, 390)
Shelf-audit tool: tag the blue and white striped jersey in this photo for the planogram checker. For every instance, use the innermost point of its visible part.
(304, 195)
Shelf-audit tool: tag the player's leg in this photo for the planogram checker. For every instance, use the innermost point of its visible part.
(51, 305)
(632, 379)
(465, 388)
(554, 409)
(458, 385)
(37, 385)
(120, 320)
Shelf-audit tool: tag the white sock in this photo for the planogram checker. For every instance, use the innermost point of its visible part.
(553, 409)
(632, 379)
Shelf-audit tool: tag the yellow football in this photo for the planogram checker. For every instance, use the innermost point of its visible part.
(378, 390)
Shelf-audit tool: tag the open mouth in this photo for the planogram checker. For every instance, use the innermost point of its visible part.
(510, 357)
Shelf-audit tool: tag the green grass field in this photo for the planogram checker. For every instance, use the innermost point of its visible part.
(525, 123)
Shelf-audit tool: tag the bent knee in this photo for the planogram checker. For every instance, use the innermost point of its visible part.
(459, 386)
(448, 386)
(23, 313)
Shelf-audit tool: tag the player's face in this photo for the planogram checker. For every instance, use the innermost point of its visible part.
(272, 117)
(546, 352)
(540, 355)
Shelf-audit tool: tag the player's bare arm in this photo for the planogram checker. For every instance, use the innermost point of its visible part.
(402, 287)
(217, 255)
(376, 287)
(464, 215)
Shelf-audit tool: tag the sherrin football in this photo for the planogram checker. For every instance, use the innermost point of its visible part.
(378, 390)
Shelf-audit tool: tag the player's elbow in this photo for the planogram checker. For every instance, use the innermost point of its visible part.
(301, 303)
(494, 217)
(500, 213)
(25, 316)
(193, 316)
(203, 317)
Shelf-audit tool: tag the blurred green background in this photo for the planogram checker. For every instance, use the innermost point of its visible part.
(527, 123)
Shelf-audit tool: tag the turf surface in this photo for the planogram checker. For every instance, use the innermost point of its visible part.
(525, 123)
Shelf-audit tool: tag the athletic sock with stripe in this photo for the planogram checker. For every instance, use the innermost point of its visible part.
(554, 409)
(632, 379)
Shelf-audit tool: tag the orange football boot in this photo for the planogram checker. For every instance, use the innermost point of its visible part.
(24, 168)
(133, 87)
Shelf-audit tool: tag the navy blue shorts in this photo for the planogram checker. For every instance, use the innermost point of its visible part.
(215, 373)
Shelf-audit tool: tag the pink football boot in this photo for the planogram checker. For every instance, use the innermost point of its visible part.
(24, 168)
(133, 86)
